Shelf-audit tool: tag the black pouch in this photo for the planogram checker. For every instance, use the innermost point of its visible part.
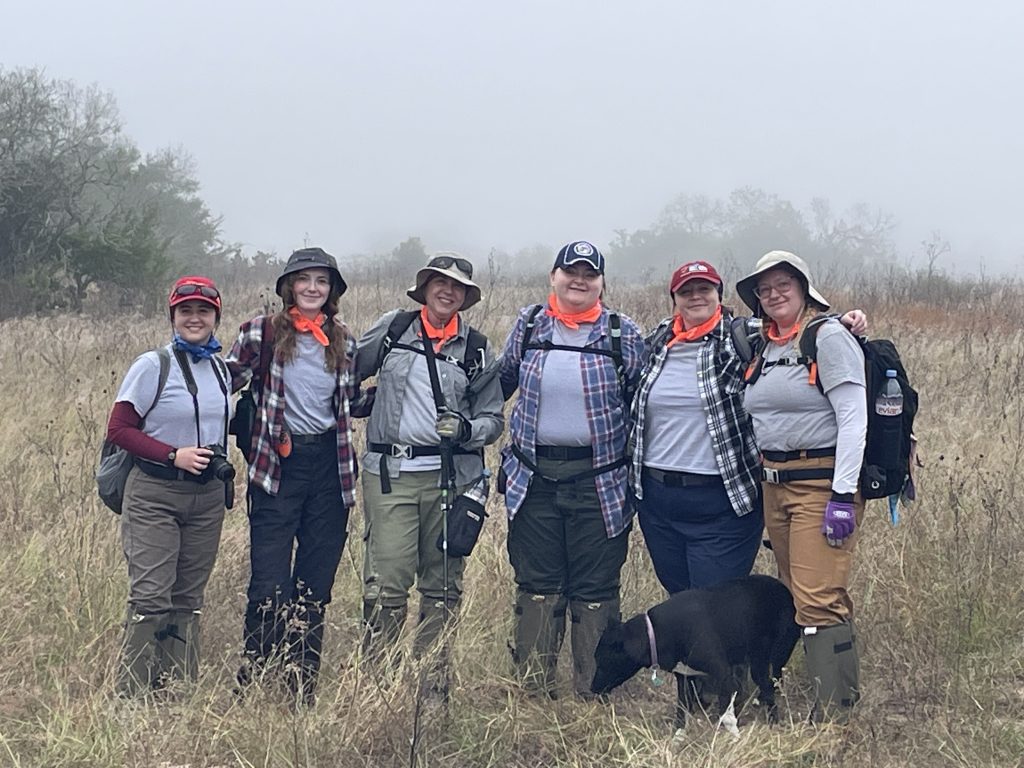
(501, 483)
(465, 521)
(244, 422)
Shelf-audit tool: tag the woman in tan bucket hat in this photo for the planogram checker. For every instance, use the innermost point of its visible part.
(812, 443)
(402, 465)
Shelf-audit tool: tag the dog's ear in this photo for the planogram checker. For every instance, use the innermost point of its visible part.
(635, 642)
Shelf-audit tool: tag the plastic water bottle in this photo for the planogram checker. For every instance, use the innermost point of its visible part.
(890, 399)
(889, 410)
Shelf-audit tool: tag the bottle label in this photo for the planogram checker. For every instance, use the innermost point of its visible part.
(888, 407)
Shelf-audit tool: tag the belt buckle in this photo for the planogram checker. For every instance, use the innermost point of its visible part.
(770, 475)
(401, 451)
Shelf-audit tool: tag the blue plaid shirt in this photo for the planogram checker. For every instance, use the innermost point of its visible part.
(603, 401)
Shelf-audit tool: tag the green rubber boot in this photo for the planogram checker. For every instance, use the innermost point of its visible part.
(382, 627)
(139, 665)
(178, 648)
(539, 631)
(589, 620)
(832, 663)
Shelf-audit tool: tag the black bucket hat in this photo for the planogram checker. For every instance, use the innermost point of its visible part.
(310, 258)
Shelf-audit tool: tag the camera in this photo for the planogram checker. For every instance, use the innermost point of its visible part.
(221, 469)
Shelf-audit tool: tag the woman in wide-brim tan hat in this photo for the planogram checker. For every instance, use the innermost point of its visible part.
(811, 435)
(402, 466)
(453, 266)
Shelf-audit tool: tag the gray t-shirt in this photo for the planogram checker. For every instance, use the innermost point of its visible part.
(173, 418)
(309, 389)
(788, 412)
(677, 437)
(561, 412)
(418, 425)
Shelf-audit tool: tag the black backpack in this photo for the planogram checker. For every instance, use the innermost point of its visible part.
(471, 363)
(884, 471)
(615, 353)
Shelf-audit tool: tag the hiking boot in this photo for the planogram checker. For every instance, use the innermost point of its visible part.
(539, 631)
(589, 620)
(382, 626)
(833, 666)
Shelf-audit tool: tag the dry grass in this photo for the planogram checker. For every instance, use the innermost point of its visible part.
(941, 609)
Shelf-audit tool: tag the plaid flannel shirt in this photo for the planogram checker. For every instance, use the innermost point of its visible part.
(265, 470)
(721, 393)
(602, 398)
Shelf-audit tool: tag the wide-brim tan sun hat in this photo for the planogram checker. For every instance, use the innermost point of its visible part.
(745, 287)
(450, 264)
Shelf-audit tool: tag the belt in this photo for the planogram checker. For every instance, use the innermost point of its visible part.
(564, 452)
(168, 473)
(776, 476)
(415, 451)
(323, 437)
(682, 479)
(813, 453)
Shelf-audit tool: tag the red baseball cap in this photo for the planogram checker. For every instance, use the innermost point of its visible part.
(694, 270)
(194, 288)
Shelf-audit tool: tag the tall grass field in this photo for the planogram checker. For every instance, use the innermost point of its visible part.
(940, 608)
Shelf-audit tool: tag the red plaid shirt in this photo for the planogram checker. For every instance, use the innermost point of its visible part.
(265, 470)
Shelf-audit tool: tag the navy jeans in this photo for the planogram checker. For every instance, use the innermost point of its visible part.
(309, 515)
(694, 536)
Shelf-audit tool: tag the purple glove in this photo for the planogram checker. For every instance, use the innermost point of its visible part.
(839, 519)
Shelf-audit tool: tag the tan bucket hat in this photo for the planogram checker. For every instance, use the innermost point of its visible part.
(450, 264)
(745, 287)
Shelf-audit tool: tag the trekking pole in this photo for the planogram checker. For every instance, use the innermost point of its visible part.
(447, 499)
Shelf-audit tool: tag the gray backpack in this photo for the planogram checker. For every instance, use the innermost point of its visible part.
(116, 462)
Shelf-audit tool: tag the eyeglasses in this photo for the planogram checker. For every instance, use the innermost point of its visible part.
(445, 262)
(781, 287)
(191, 289)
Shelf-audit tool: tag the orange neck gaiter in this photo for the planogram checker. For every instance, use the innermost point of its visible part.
(572, 320)
(439, 335)
(696, 332)
(304, 325)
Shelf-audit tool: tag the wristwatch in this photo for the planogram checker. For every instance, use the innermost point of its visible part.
(172, 456)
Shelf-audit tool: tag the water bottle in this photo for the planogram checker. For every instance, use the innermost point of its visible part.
(889, 415)
(481, 489)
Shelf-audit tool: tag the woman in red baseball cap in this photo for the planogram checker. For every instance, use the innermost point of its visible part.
(695, 467)
(171, 414)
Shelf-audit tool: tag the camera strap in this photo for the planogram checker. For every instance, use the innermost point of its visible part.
(193, 389)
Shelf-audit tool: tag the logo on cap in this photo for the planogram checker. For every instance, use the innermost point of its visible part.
(697, 267)
(583, 249)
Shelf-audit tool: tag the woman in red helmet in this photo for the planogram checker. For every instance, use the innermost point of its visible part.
(171, 414)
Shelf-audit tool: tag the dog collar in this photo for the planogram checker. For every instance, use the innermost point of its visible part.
(656, 679)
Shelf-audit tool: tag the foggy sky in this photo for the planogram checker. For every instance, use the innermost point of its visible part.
(480, 124)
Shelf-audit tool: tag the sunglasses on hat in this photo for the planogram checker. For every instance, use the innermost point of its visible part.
(445, 262)
(191, 289)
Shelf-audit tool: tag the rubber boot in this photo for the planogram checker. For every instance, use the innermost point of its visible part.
(832, 663)
(433, 637)
(305, 640)
(589, 620)
(138, 668)
(263, 635)
(539, 631)
(178, 647)
(382, 626)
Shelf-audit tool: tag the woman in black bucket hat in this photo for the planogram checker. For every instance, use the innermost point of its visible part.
(302, 468)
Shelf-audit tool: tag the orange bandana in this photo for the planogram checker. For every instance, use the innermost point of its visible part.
(439, 335)
(572, 320)
(694, 333)
(304, 325)
(773, 333)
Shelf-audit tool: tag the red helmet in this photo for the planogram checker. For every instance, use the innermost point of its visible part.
(194, 288)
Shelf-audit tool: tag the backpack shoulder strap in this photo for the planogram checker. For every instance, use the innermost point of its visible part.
(531, 321)
(474, 362)
(399, 325)
(165, 368)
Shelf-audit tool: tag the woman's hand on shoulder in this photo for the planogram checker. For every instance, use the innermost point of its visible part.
(856, 320)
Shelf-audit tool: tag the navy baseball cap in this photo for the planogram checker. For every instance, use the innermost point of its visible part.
(580, 251)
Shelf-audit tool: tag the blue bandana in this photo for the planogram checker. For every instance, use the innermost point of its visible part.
(198, 351)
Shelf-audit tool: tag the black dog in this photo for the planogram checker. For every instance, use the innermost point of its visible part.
(749, 621)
